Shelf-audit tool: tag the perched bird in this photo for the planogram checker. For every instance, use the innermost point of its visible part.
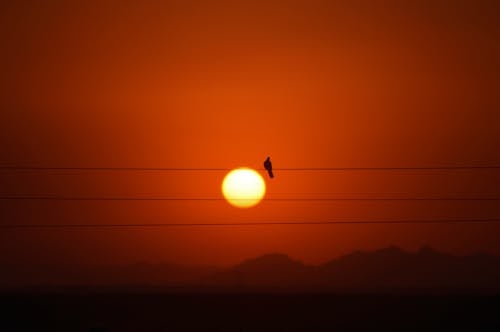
(269, 167)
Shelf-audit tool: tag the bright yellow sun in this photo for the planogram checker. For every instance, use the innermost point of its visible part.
(243, 187)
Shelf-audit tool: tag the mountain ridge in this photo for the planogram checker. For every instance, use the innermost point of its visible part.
(389, 268)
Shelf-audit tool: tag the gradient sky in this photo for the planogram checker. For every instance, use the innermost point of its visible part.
(202, 84)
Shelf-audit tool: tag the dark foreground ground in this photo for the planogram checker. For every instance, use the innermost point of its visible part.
(247, 312)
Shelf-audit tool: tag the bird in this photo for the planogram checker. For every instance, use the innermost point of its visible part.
(269, 167)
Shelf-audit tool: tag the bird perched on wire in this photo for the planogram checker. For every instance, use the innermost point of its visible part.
(269, 167)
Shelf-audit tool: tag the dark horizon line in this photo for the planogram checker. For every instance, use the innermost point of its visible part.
(263, 223)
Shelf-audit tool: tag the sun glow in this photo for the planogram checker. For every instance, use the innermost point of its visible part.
(243, 187)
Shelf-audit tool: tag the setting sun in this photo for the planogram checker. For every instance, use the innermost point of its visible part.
(243, 187)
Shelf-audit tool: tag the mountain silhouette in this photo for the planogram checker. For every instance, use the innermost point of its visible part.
(394, 269)
(387, 269)
(273, 270)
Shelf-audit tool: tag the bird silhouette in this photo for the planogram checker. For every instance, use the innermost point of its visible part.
(269, 167)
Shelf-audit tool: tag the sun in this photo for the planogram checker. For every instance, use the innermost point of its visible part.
(243, 187)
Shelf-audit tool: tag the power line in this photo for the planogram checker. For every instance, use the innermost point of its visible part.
(374, 199)
(243, 224)
(309, 169)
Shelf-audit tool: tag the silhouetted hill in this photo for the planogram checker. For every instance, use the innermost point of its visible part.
(387, 269)
(393, 269)
(274, 270)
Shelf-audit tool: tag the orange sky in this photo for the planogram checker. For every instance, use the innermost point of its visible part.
(226, 83)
